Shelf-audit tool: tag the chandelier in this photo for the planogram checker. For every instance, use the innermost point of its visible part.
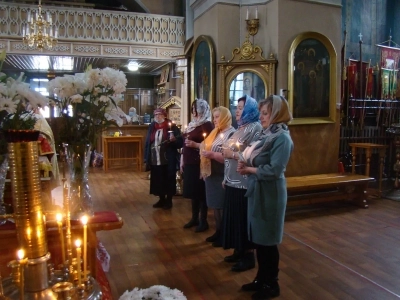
(39, 30)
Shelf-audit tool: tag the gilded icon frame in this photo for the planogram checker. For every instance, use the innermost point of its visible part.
(320, 93)
(203, 70)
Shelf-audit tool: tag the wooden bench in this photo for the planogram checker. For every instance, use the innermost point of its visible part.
(303, 190)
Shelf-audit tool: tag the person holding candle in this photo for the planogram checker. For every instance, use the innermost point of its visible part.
(193, 185)
(235, 203)
(264, 163)
(212, 166)
(162, 158)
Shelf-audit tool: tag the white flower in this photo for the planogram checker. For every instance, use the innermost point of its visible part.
(76, 98)
(104, 99)
(8, 105)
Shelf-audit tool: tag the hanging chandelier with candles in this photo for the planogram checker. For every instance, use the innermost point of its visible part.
(39, 30)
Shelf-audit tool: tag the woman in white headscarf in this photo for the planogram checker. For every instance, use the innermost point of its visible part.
(264, 162)
(193, 185)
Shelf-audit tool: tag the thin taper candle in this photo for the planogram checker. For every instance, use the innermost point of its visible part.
(22, 261)
(84, 221)
(60, 230)
(78, 261)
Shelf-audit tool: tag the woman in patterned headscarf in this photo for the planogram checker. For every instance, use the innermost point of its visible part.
(212, 166)
(161, 151)
(235, 203)
(264, 161)
(193, 185)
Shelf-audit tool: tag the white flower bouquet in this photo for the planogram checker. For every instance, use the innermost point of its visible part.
(88, 103)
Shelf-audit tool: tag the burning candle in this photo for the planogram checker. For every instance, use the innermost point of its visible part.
(222, 136)
(84, 221)
(78, 260)
(60, 230)
(169, 125)
(204, 136)
(22, 261)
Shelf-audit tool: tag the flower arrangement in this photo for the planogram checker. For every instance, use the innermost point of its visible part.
(155, 292)
(17, 105)
(88, 103)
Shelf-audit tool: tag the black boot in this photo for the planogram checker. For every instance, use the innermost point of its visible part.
(253, 286)
(235, 257)
(160, 202)
(203, 226)
(246, 263)
(194, 221)
(267, 291)
(168, 202)
(214, 237)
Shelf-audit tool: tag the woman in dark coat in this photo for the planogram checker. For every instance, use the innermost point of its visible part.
(162, 158)
(264, 161)
(193, 185)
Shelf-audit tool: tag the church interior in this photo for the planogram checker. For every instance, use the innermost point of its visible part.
(335, 61)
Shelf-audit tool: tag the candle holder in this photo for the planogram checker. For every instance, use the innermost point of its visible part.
(252, 26)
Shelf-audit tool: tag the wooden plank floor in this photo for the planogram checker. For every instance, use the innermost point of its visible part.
(329, 251)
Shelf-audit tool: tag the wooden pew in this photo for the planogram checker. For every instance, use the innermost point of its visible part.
(304, 190)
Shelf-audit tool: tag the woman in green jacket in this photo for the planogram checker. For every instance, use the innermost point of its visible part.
(264, 161)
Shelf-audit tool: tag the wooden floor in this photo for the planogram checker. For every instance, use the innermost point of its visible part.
(329, 251)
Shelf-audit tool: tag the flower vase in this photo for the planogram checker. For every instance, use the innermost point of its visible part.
(3, 175)
(80, 200)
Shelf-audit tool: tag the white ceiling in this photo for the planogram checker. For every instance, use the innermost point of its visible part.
(45, 64)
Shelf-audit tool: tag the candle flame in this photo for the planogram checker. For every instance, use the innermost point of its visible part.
(21, 254)
(84, 219)
(78, 243)
(204, 134)
(59, 217)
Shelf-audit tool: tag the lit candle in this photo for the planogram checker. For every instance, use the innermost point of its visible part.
(222, 136)
(60, 230)
(257, 12)
(84, 221)
(247, 14)
(169, 125)
(22, 261)
(204, 136)
(78, 260)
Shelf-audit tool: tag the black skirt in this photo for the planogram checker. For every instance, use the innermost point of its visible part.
(193, 186)
(234, 221)
(161, 181)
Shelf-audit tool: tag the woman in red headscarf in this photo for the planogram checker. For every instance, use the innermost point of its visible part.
(162, 158)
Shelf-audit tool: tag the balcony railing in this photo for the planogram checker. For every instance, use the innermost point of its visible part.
(80, 26)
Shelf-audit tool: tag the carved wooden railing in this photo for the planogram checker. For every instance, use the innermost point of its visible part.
(86, 31)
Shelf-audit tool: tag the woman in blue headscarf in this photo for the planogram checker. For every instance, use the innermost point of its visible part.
(235, 204)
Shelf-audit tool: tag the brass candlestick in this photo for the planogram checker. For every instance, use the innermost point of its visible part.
(252, 26)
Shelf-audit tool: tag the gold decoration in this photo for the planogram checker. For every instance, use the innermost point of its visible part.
(252, 26)
(39, 31)
(247, 52)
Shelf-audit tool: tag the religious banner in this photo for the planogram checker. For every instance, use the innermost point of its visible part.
(369, 91)
(389, 57)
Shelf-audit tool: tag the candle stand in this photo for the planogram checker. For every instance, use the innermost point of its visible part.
(32, 276)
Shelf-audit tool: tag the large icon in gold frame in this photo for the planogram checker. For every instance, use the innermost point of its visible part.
(312, 79)
(203, 70)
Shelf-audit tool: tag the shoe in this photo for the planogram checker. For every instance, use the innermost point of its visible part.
(203, 226)
(235, 257)
(214, 237)
(159, 204)
(267, 291)
(191, 223)
(253, 286)
(246, 263)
